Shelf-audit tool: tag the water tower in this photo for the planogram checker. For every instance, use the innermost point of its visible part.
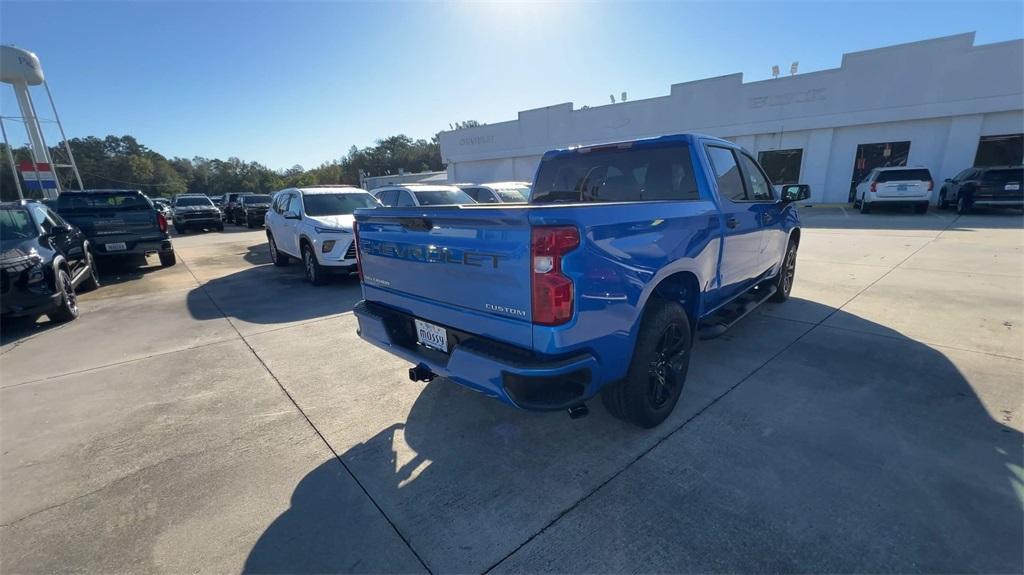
(21, 69)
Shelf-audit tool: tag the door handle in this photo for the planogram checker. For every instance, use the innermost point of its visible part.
(732, 222)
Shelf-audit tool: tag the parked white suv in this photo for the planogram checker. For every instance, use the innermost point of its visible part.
(895, 185)
(497, 192)
(421, 195)
(314, 225)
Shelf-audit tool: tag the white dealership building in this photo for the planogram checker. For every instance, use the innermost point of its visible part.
(944, 103)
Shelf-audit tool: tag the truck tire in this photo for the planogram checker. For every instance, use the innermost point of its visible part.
(68, 307)
(92, 278)
(963, 206)
(786, 275)
(943, 202)
(168, 259)
(279, 258)
(658, 369)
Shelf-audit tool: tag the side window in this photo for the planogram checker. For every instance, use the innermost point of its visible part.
(962, 175)
(486, 197)
(758, 187)
(405, 198)
(295, 204)
(389, 197)
(730, 182)
(870, 176)
(472, 192)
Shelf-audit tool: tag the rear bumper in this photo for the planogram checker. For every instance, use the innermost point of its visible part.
(514, 375)
(919, 199)
(999, 202)
(137, 247)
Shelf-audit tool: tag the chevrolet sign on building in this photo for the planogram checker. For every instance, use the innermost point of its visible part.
(946, 104)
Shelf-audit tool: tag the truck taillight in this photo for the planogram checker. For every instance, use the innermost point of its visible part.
(874, 187)
(162, 222)
(552, 290)
(359, 261)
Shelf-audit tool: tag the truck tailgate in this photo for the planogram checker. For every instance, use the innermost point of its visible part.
(462, 267)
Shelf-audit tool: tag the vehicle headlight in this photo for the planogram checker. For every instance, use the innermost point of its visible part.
(328, 246)
(37, 271)
(320, 230)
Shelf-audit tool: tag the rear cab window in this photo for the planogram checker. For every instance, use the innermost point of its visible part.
(72, 201)
(908, 175)
(618, 174)
(1006, 176)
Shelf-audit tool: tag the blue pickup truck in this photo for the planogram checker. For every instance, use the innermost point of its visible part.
(624, 254)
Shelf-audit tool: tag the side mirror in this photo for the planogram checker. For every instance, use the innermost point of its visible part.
(795, 192)
(289, 215)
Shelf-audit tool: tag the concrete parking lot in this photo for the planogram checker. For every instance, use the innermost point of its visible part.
(223, 416)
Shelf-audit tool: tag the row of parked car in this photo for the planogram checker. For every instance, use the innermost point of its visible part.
(997, 186)
(50, 249)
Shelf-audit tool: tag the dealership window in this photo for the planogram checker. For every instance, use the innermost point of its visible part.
(782, 166)
(1006, 150)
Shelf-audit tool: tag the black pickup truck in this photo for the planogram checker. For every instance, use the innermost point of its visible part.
(118, 223)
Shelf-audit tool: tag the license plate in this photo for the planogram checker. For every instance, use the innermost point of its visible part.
(901, 188)
(1011, 187)
(116, 247)
(432, 336)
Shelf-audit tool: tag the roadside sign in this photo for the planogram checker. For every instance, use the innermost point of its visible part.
(37, 176)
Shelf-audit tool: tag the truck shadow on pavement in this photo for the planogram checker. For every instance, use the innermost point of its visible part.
(270, 295)
(837, 450)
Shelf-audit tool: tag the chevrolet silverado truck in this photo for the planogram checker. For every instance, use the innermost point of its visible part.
(624, 254)
(118, 223)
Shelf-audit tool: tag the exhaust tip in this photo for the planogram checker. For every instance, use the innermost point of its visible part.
(420, 373)
(578, 411)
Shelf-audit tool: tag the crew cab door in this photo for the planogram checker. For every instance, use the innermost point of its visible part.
(743, 221)
(761, 195)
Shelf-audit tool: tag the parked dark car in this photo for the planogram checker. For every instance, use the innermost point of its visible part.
(43, 262)
(230, 201)
(250, 209)
(196, 212)
(993, 186)
(118, 223)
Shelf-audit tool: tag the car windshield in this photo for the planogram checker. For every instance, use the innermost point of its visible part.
(920, 175)
(260, 199)
(16, 224)
(337, 204)
(193, 201)
(442, 197)
(102, 201)
(1003, 176)
(517, 194)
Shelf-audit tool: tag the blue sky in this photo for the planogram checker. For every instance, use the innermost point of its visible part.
(288, 83)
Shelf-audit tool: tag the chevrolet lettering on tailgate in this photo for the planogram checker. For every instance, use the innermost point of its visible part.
(428, 254)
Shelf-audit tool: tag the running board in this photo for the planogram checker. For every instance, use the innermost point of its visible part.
(719, 322)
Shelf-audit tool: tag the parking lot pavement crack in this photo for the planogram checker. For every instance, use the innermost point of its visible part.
(93, 491)
(811, 327)
(116, 363)
(319, 434)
